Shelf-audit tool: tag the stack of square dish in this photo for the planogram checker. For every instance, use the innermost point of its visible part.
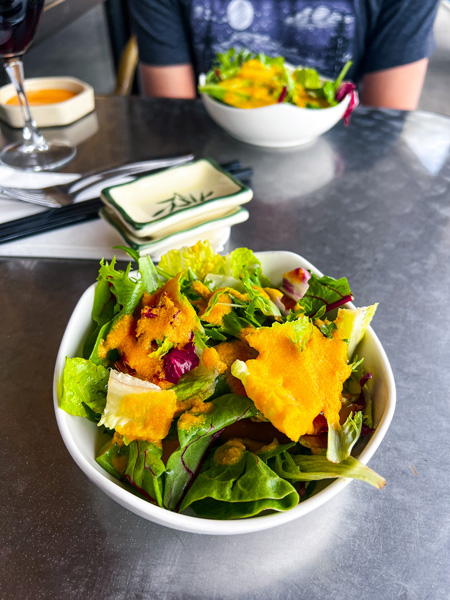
(176, 207)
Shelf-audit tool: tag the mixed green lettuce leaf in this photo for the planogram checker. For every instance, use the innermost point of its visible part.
(240, 490)
(184, 463)
(145, 470)
(84, 388)
(307, 468)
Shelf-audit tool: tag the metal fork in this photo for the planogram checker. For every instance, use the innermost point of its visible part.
(62, 195)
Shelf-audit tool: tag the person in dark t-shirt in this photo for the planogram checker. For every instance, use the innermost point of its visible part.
(389, 41)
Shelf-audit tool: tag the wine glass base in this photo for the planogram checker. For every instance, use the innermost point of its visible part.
(46, 157)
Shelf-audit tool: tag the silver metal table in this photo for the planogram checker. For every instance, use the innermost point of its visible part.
(371, 202)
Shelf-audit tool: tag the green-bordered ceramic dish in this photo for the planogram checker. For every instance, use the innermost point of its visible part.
(217, 231)
(161, 203)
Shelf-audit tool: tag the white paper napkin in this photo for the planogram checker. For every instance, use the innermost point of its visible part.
(92, 240)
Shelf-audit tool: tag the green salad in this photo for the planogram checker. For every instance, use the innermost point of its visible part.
(247, 80)
(218, 390)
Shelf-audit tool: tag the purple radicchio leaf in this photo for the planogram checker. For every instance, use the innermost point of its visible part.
(348, 88)
(178, 361)
(366, 430)
(296, 283)
(282, 95)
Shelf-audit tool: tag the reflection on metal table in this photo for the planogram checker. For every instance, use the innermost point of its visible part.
(370, 202)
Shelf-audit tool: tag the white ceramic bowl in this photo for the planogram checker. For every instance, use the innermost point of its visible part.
(49, 115)
(82, 437)
(277, 126)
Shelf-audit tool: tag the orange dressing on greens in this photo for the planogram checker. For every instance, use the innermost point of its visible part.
(291, 386)
(257, 85)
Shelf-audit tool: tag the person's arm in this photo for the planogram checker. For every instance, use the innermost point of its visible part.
(175, 81)
(398, 88)
(163, 36)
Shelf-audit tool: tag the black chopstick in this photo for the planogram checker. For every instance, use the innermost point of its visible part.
(80, 212)
(51, 219)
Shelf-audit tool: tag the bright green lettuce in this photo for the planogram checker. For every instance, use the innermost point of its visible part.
(105, 305)
(125, 290)
(302, 331)
(113, 457)
(240, 490)
(203, 263)
(201, 259)
(163, 348)
(112, 355)
(199, 383)
(362, 318)
(219, 92)
(258, 301)
(117, 293)
(303, 467)
(139, 463)
(240, 269)
(307, 78)
(322, 294)
(147, 270)
(84, 388)
(242, 261)
(228, 65)
(149, 275)
(145, 470)
(184, 463)
(232, 324)
(311, 81)
(342, 438)
(352, 388)
(318, 467)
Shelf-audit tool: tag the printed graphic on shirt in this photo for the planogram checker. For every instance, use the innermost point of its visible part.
(305, 32)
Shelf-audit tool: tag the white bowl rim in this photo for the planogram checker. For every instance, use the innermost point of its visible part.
(191, 524)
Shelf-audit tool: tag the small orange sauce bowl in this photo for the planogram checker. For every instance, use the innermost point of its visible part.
(54, 101)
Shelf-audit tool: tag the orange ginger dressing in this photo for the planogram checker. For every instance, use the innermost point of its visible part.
(42, 97)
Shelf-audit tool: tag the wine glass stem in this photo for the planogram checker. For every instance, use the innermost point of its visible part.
(31, 134)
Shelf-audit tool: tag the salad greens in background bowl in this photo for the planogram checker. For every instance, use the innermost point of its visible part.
(267, 102)
(222, 395)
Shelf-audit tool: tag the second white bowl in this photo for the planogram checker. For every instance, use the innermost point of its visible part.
(277, 126)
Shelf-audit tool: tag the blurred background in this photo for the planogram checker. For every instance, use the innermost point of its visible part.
(86, 38)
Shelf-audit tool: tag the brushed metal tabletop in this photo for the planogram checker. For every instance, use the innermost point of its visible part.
(371, 202)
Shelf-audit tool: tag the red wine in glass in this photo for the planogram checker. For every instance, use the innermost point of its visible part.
(18, 23)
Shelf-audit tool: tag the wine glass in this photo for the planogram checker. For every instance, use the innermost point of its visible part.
(18, 22)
